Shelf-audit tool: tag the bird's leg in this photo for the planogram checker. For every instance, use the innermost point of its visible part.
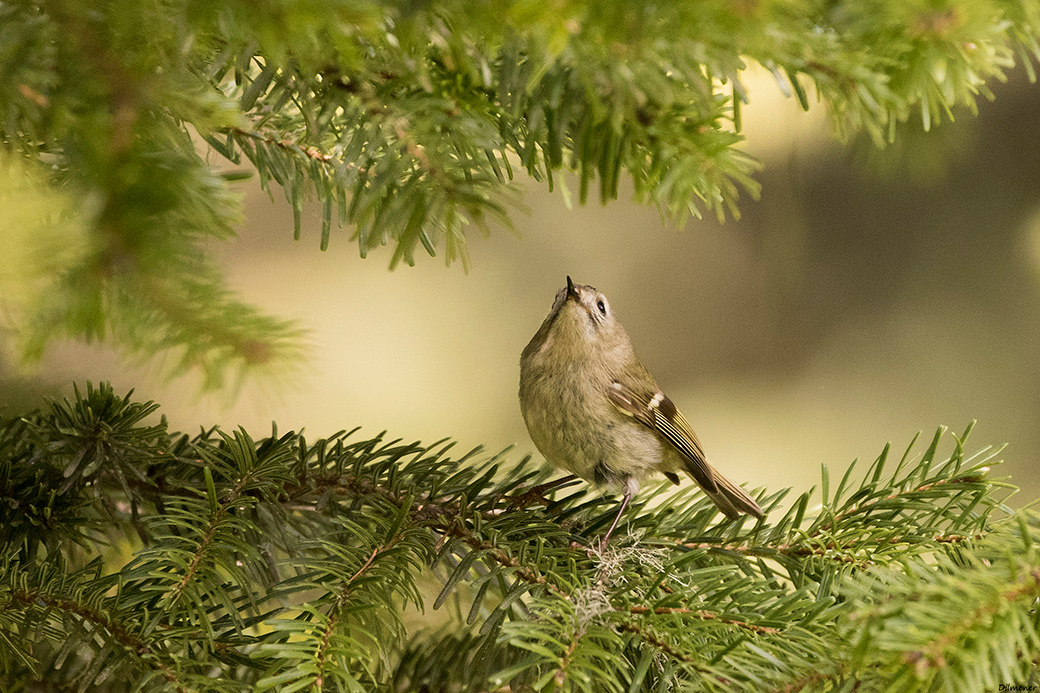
(630, 489)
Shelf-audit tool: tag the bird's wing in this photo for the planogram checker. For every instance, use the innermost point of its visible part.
(658, 413)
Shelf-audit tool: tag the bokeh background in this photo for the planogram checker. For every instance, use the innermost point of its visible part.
(867, 295)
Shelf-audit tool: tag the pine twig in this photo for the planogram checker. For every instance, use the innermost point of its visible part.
(333, 618)
(665, 647)
(309, 151)
(932, 656)
(200, 550)
(703, 615)
(122, 635)
(870, 505)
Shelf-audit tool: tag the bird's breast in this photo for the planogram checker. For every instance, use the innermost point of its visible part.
(575, 426)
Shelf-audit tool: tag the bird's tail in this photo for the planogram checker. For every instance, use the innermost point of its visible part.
(733, 500)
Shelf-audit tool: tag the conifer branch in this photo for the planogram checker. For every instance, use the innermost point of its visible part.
(205, 542)
(932, 656)
(831, 550)
(664, 646)
(868, 506)
(405, 124)
(338, 604)
(485, 548)
(133, 644)
(704, 615)
(309, 151)
(284, 563)
(36, 597)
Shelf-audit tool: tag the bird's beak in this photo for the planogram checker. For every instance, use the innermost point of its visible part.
(572, 293)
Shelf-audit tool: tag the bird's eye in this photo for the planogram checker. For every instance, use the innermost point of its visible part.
(602, 306)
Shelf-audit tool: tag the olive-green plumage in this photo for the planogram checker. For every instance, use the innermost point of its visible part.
(593, 409)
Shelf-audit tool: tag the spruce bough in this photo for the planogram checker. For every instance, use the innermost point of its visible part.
(407, 124)
(134, 558)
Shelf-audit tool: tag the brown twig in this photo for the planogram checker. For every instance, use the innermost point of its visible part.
(200, 549)
(703, 615)
(30, 597)
(333, 617)
(663, 646)
(932, 656)
(830, 550)
(870, 505)
(310, 151)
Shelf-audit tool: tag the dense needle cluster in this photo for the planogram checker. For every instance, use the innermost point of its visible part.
(124, 125)
(133, 558)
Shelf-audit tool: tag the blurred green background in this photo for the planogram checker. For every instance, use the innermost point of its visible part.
(867, 295)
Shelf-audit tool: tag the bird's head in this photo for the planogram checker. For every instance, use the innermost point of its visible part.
(581, 325)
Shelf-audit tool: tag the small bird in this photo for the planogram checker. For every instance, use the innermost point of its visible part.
(594, 410)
